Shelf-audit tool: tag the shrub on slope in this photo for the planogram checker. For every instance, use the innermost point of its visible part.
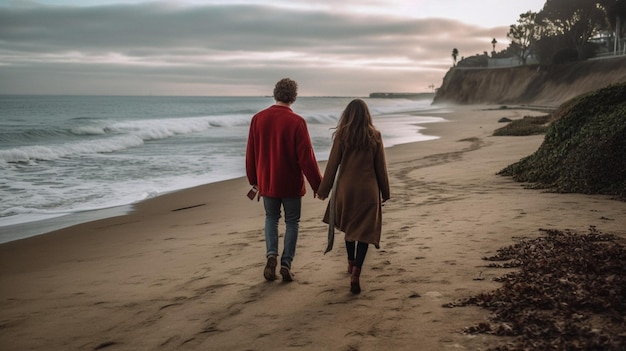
(584, 150)
(529, 125)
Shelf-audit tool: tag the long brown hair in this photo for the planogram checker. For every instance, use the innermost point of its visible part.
(355, 127)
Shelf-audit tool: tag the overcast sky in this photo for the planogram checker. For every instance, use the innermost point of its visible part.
(238, 47)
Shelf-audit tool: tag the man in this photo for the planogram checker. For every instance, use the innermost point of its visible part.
(279, 156)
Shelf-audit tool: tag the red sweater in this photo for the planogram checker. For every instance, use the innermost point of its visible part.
(279, 154)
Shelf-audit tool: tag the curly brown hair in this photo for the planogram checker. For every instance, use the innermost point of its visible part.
(286, 90)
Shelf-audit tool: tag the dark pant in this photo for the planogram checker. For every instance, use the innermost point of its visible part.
(356, 252)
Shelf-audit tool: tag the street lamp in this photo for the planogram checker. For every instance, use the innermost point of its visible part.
(493, 43)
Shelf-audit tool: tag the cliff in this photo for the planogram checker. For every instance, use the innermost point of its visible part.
(529, 85)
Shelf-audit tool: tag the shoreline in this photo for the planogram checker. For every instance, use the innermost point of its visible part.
(24, 230)
(184, 270)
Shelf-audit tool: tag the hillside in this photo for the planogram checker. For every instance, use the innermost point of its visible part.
(584, 150)
(530, 85)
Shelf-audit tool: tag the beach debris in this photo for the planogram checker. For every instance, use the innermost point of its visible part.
(504, 120)
(567, 293)
(479, 276)
(187, 207)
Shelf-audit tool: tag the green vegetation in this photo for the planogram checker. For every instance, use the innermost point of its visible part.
(528, 125)
(455, 54)
(584, 150)
(523, 35)
(562, 31)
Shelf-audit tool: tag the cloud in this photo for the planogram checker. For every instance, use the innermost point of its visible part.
(225, 49)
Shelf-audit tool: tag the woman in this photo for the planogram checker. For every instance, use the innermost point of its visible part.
(362, 184)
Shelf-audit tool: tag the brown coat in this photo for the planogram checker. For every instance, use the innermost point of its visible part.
(361, 185)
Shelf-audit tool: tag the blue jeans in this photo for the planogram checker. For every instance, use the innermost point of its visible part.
(292, 207)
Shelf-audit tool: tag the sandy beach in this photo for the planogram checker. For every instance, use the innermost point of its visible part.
(184, 271)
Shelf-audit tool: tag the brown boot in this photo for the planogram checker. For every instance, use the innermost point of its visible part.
(350, 266)
(355, 286)
(270, 268)
(286, 273)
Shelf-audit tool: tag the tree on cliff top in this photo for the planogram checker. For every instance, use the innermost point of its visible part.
(576, 20)
(584, 150)
(523, 35)
(455, 54)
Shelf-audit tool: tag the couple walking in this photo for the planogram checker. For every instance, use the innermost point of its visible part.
(279, 156)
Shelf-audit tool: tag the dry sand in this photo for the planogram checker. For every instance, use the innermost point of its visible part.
(185, 270)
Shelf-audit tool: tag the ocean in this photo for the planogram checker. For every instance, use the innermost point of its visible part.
(70, 159)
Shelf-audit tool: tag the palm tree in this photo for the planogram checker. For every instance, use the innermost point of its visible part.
(455, 53)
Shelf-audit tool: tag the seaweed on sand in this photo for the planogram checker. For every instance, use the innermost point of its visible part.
(584, 150)
(529, 125)
(568, 294)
